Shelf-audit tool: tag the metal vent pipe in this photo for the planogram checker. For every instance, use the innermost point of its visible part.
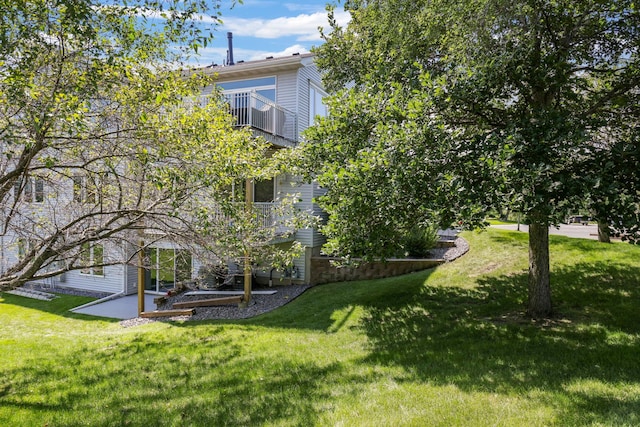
(230, 50)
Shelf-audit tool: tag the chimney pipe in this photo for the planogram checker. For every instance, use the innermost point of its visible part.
(230, 51)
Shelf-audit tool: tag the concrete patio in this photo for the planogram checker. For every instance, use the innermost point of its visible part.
(125, 307)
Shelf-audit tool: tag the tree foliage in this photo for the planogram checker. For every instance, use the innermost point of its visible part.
(104, 141)
(487, 103)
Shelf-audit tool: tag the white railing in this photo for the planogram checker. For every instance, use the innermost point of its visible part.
(254, 110)
(267, 215)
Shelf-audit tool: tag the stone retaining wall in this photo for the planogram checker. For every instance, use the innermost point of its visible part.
(323, 270)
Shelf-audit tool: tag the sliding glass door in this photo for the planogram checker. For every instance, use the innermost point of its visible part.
(166, 268)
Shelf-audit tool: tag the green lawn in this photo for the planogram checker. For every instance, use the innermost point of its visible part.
(442, 347)
(497, 221)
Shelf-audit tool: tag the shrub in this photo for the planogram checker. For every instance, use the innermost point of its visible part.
(419, 241)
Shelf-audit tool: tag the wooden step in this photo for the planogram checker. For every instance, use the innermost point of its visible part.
(209, 302)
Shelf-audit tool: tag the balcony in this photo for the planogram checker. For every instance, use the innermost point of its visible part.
(267, 216)
(274, 122)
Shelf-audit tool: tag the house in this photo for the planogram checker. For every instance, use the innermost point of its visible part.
(278, 99)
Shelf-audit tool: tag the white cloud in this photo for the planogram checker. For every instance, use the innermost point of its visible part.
(304, 26)
(302, 7)
(301, 30)
(296, 48)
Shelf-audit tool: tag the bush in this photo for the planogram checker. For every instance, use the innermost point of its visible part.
(419, 241)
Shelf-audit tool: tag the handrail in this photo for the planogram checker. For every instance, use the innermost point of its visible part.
(258, 112)
(267, 215)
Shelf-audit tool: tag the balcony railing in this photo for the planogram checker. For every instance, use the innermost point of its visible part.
(254, 110)
(267, 215)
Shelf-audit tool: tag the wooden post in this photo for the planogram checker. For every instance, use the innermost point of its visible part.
(141, 279)
(247, 255)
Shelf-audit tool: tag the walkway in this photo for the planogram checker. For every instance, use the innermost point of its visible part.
(570, 230)
(118, 308)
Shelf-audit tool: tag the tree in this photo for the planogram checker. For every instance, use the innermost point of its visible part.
(614, 196)
(484, 104)
(104, 142)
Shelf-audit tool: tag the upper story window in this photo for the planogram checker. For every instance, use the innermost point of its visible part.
(84, 189)
(265, 86)
(316, 106)
(32, 190)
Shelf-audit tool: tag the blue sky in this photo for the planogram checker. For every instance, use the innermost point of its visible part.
(264, 28)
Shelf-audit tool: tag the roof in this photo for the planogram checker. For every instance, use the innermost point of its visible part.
(259, 67)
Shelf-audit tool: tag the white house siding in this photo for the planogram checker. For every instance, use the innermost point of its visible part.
(130, 272)
(286, 91)
(306, 76)
(318, 239)
(8, 252)
(207, 90)
(111, 282)
(131, 279)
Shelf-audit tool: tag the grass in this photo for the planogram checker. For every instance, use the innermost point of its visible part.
(497, 221)
(446, 347)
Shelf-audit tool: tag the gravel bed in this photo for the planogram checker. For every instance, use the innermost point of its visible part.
(261, 304)
(449, 254)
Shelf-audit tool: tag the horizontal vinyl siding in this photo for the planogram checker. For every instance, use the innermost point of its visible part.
(306, 192)
(111, 282)
(131, 273)
(207, 90)
(287, 91)
(291, 185)
(306, 75)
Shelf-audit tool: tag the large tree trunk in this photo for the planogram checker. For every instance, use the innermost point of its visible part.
(539, 284)
(603, 232)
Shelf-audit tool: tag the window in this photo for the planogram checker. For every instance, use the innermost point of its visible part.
(24, 247)
(92, 258)
(84, 189)
(265, 86)
(166, 268)
(263, 191)
(316, 106)
(32, 190)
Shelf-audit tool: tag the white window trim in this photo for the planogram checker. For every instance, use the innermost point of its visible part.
(90, 271)
(312, 102)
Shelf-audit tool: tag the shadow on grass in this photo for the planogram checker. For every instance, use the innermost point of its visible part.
(480, 341)
(207, 378)
(475, 339)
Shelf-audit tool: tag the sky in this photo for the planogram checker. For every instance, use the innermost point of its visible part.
(264, 28)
